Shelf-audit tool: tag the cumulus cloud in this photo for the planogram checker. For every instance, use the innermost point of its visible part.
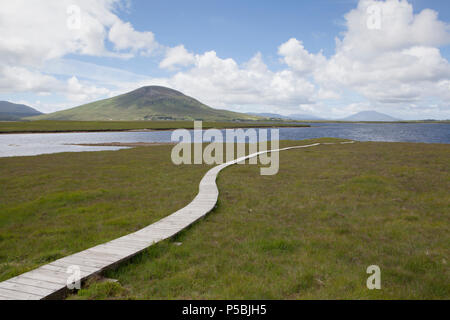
(394, 66)
(223, 83)
(35, 31)
(399, 28)
(124, 37)
(398, 64)
(86, 28)
(19, 79)
(78, 92)
(298, 58)
(177, 56)
(34, 34)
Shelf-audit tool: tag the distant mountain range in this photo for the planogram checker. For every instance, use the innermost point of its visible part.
(12, 111)
(147, 103)
(289, 117)
(300, 116)
(160, 103)
(360, 116)
(369, 116)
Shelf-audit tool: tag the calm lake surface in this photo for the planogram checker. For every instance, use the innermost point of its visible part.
(34, 144)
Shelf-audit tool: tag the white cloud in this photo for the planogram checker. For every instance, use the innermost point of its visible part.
(34, 31)
(177, 56)
(124, 37)
(223, 83)
(107, 76)
(298, 58)
(399, 29)
(398, 66)
(19, 79)
(36, 34)
(396, 69)
(82, 93)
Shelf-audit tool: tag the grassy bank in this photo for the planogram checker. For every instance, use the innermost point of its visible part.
(55, 205)
(92, 126)
(309, 232)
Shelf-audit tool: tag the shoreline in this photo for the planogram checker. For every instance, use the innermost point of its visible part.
(309, 124)
(122, 144)
(147, 130)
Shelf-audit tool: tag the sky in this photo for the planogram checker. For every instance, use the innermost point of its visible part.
(329, 58)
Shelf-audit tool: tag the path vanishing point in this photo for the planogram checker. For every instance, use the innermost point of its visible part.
(50, 280)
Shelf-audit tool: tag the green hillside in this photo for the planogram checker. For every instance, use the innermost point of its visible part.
(147, 103)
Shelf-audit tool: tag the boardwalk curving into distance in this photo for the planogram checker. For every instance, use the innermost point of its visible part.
(50, 280)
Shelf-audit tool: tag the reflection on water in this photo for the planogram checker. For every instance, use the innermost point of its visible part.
(34, 144)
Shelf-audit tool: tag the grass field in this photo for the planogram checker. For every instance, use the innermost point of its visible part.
(308, 232)
(74, 126)
(55, 205)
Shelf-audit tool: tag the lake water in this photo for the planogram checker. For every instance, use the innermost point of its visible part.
(34, 144)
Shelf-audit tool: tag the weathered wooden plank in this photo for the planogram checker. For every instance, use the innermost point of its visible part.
(155, 233)
(63, 268)
(15, 295)
(88, 265)
(140, 236)
(36, 283)
(25, 288)
(110, 249)
(101, 256)
(163, 227)
(119, 252)
(126, 241)
(129, 242)
(41, 274)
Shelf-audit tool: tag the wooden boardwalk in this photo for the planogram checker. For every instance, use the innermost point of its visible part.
(50, 280)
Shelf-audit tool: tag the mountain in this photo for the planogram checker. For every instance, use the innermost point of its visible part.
(299, 116)
(146, 103)
(12, 111)
(289, 117)
(369, 116)
(268, 115)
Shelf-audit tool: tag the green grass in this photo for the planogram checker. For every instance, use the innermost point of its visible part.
(55, 205)
(308, 232)
(73, 126)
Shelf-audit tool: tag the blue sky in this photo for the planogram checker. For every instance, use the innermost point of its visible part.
(317, 77)
(238, 29)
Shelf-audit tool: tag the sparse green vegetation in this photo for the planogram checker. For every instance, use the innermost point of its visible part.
(55, 205)
(102, 289)
(75, 126)
(308, 232)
